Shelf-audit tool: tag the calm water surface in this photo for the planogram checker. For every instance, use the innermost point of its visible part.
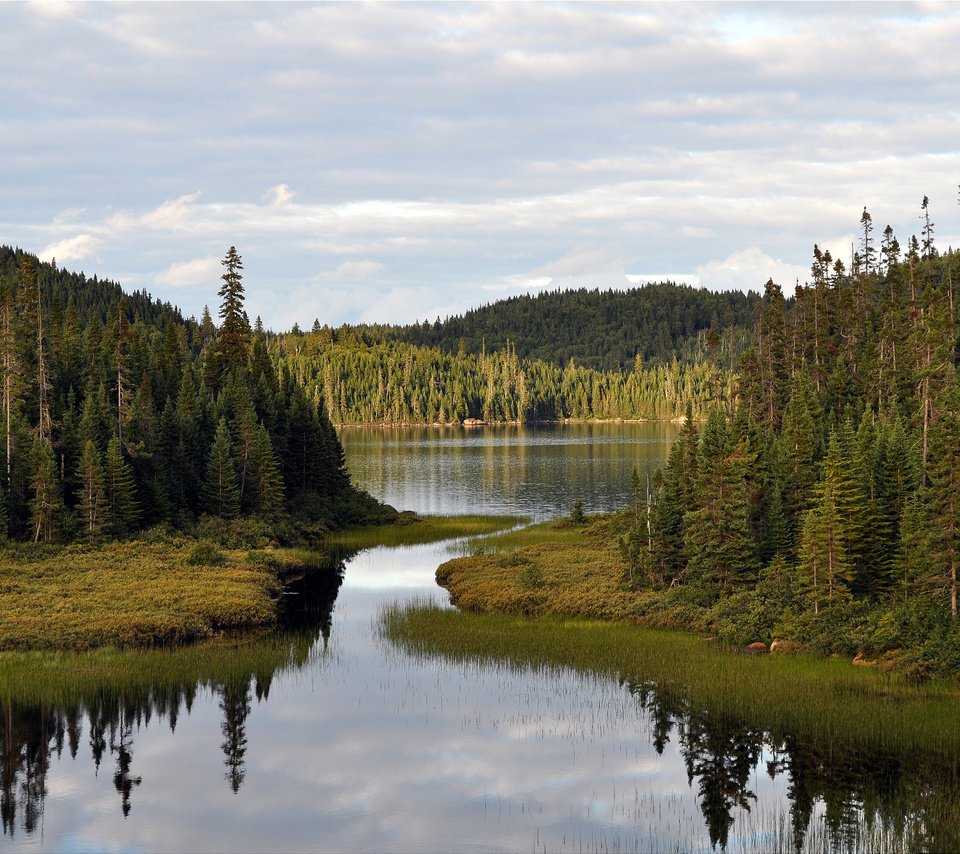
(358, 747)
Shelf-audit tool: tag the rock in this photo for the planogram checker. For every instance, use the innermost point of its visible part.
(785, 647)
(757, 647)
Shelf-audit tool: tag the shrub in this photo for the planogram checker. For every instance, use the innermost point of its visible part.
(205, 553)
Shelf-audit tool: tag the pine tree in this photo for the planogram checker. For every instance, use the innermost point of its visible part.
(122, 509)
(220, 494)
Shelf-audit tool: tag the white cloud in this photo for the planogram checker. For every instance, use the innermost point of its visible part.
(279, 196)
(201, 271)
(352, 270)
(77, 248)
(748, 270)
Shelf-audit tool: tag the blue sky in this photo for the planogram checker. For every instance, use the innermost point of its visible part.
(406, 161)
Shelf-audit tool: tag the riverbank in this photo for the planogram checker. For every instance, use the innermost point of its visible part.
(167, 588)
(567, 570)
(135, 593)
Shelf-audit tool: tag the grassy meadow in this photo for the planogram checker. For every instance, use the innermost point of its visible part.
(133, 593)
(548, 568)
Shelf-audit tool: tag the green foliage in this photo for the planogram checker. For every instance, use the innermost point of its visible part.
(125, 397)
(205, 553)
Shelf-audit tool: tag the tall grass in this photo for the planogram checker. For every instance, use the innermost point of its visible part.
(819, 699)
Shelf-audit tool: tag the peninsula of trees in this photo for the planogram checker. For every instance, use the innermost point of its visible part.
(118, 414)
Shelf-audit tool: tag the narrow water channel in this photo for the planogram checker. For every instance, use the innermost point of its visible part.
(334, 740)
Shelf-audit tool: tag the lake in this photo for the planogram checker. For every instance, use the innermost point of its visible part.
(334, 740)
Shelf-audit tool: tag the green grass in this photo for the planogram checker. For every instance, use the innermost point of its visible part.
(133, 593)
(413, 530)
(66, 677)
(819, 699)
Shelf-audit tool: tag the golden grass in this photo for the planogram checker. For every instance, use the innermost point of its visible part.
(130, 593)
(544, 569)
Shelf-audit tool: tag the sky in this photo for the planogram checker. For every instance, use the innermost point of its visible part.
(399, 162)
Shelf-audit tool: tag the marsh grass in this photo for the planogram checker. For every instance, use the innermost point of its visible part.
(818, 699)
(134, 593)
(420, 530)
(64, 678)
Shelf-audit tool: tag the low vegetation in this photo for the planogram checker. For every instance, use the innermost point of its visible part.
(134, 593)
(570, 570)
(821, 699)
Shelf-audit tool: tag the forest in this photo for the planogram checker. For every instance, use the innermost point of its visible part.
(822, 501)
(119, 415)
(603, 330)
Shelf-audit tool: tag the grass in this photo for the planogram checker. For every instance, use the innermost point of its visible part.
(549, 568)
(411, 530)
(133, 593)
(63, 678)
(819, 699)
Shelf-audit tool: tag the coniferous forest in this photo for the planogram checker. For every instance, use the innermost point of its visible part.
(119, 414)
(822, 502)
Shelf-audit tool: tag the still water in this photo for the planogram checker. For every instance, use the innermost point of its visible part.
(351, 745)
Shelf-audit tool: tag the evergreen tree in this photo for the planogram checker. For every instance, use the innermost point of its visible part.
(944, 492)
(90, 496)
(717, 536)
(221, 497)
(265, 479)
(122, 509)
(45, 503)
(234, 337)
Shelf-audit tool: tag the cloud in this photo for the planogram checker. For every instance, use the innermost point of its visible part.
(463, 147)
(279, 196)
(587, 265)
(201, 271)
(748, 270)
(77, 248)
(352, 270)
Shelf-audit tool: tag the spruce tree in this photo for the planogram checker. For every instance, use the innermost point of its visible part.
(944, 493)
(265, 480)
(717, 537)
(233, 340)
(121, 504)
(221, 497)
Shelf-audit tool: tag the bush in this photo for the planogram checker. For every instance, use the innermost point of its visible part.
(205, 553)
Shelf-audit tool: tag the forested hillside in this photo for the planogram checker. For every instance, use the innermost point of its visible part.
(829, 487)
(406, 384)
(118, 415)
(604, 330)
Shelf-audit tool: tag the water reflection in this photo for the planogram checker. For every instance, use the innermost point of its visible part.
(326, 737)
(536, 470)
(851, 798)
(32, 735)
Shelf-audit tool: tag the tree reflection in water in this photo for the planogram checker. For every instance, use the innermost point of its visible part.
(31, 734)
(913, 798)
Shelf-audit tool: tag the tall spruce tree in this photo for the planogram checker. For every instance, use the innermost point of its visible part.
(233, 339)
(221, 497)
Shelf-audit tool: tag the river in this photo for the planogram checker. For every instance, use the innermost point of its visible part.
(354, 746)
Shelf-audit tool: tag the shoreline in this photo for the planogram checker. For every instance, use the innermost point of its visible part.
(474, 423)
